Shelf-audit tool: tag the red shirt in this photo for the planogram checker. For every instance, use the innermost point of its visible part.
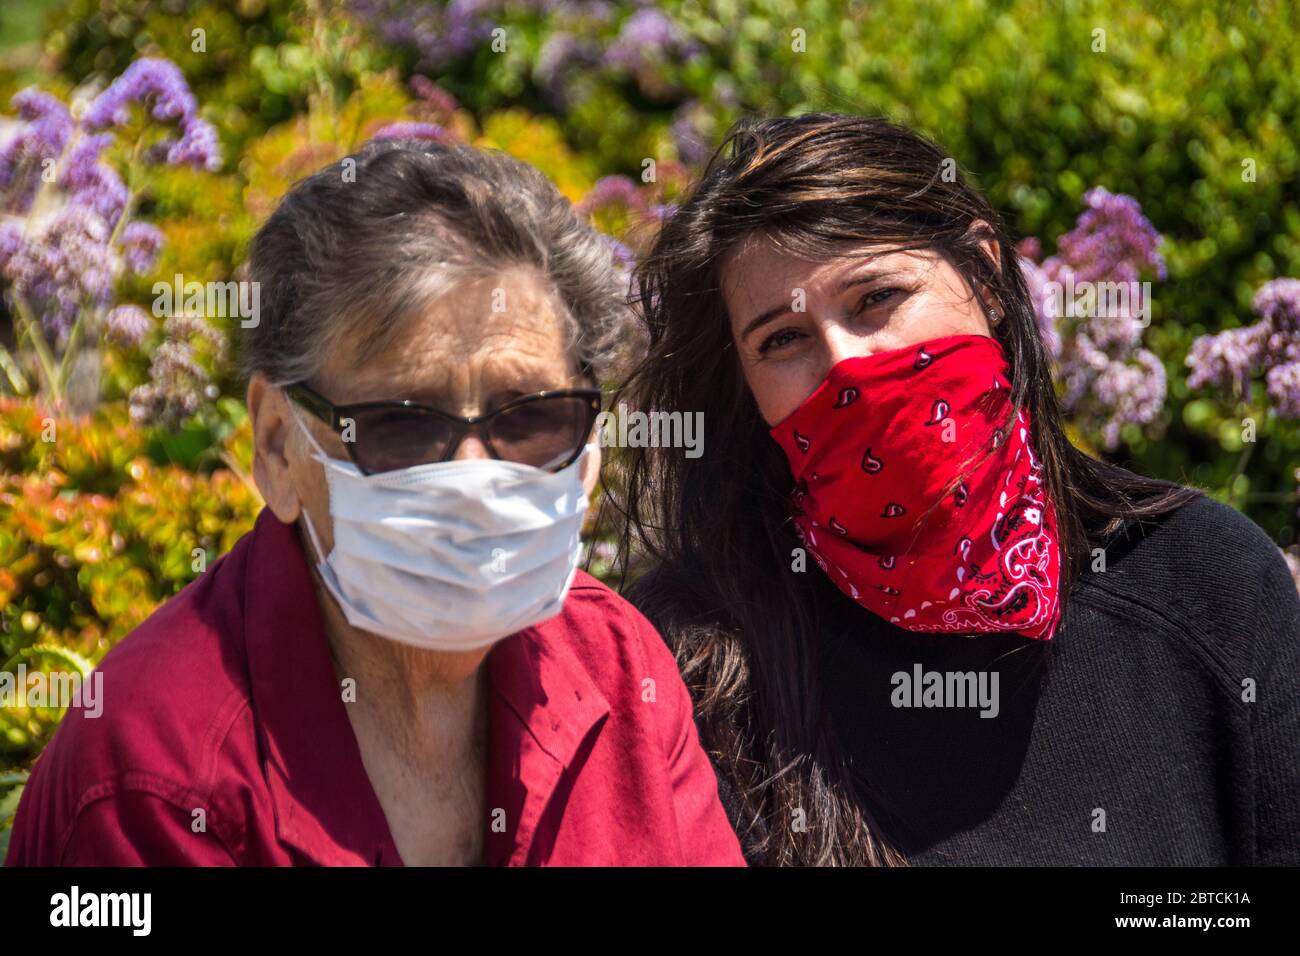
(222, 714)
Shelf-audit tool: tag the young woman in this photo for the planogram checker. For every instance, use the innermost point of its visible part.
(920, 626)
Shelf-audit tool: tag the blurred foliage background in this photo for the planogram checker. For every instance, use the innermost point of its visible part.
(101, 525)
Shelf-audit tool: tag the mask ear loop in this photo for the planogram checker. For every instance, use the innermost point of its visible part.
(297, 417)
(321, 561)
(323, 568)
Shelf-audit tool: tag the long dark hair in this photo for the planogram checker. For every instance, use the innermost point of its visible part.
(715, 529)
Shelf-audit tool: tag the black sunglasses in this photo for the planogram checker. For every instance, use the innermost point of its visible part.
(546, 429)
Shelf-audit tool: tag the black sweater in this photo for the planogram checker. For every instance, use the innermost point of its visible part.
(1135, 709)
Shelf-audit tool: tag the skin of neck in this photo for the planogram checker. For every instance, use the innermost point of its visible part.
(424, 702)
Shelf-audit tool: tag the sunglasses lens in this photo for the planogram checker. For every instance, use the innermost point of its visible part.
(544, 432)
(390, 439)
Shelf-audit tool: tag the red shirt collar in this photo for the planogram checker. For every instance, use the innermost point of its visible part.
(543, 706)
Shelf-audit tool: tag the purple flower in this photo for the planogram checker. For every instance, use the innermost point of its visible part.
(1270, 346)
(141, 243)
(1109, 380)
(68, 268)
(1277, 303)
(189, 327)
(1111, 392)
(429, 131)
(155, 83)
(465, 23)
(1226, 360)
(36, 106)
(11, 237)
(160, 87)
(587, 11)
(43, 134)
(1134, 393)
(1036, 280)
(438, 35)
(646, 36)
(179, 383)
(197, 147)
(48, 120)
(128, 324)
(1030, 248)
(63, 269)
(79, 165)
(92, 184)
(610, 191)
(1284, 389)
(1112, 240)
(563, 57)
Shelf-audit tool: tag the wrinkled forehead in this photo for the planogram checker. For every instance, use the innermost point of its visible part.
(491, 334)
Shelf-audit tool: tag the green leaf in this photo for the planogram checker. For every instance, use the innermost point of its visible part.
(9, 806)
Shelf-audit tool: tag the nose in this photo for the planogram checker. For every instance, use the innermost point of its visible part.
(471, 446)
(839, 343)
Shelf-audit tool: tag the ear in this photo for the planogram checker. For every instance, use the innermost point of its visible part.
(993, 249)
(591, 467)
(268, 407)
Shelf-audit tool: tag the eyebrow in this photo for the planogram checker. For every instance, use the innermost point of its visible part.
(861, 278)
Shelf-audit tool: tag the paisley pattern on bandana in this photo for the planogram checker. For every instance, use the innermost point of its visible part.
(906, 501)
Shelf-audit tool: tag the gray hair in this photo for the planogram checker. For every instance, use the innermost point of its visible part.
(353, 250)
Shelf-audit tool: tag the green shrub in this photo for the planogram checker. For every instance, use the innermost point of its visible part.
(95, 533)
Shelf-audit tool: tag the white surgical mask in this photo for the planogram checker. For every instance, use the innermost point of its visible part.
(451, 556)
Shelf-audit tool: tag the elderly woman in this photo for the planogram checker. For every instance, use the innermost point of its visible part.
(400, 663)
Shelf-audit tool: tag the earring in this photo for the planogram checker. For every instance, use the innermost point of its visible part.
(994, 318)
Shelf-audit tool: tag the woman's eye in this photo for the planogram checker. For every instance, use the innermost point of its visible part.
(877, 297)
(778, 339)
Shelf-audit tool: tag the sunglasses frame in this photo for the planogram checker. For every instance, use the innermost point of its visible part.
(333, 415)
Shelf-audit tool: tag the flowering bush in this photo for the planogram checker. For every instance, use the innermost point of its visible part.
(1228, 360)
(626, 81)
(1109, 380)
(254, 65)
(95, 533)
(69, 228)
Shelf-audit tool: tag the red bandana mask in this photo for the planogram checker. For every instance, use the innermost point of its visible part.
(877, 445)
